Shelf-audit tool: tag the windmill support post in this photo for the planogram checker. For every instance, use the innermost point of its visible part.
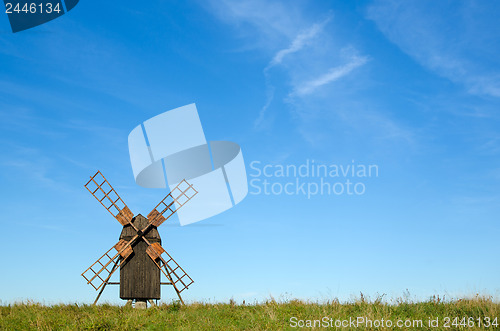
(129, 302)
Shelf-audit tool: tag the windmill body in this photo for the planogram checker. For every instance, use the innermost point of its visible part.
(139, 275)
(138, 254)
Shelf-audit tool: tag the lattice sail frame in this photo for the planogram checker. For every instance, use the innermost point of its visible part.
(93, 277)
(178, 196)
(100, 188)
(115, 207)
(169, 267)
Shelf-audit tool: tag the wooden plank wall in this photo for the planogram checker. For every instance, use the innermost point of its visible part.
(139, 276)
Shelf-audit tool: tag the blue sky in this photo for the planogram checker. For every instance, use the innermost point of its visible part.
(413, 88)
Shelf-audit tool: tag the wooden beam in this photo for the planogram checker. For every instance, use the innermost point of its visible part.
(105, 283)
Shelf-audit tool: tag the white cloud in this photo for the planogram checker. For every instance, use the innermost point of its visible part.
(308, 60)
(299, 42)
(312, 55)
(259, 122)
(456, 40)
(274, 21)
(332, 75)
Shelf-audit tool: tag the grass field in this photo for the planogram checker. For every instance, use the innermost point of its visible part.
(359, 314)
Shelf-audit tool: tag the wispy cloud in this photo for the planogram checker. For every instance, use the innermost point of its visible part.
(352, 121)
(332, 75)
(37, 170)
(264, 22)
(306, 56)
(312, 56)
(259, 122)
(459, 49)
(299, 42)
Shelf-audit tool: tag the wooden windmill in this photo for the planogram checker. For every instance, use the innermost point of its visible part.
(138, 253)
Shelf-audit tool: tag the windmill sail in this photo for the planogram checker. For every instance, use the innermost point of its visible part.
(102, 190)
(177, 198)
(102, 269)
(173, 271)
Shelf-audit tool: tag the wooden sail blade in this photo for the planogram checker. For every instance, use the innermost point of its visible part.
(154, 251)
(169, 267)
(101, 270)
(102, 190)
(177, 198)
(123, 249)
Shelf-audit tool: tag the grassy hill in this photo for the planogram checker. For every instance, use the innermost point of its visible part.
(479, 314)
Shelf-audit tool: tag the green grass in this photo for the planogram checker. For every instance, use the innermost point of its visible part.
(270, 315)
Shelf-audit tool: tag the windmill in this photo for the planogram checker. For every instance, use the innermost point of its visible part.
(138, 254)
